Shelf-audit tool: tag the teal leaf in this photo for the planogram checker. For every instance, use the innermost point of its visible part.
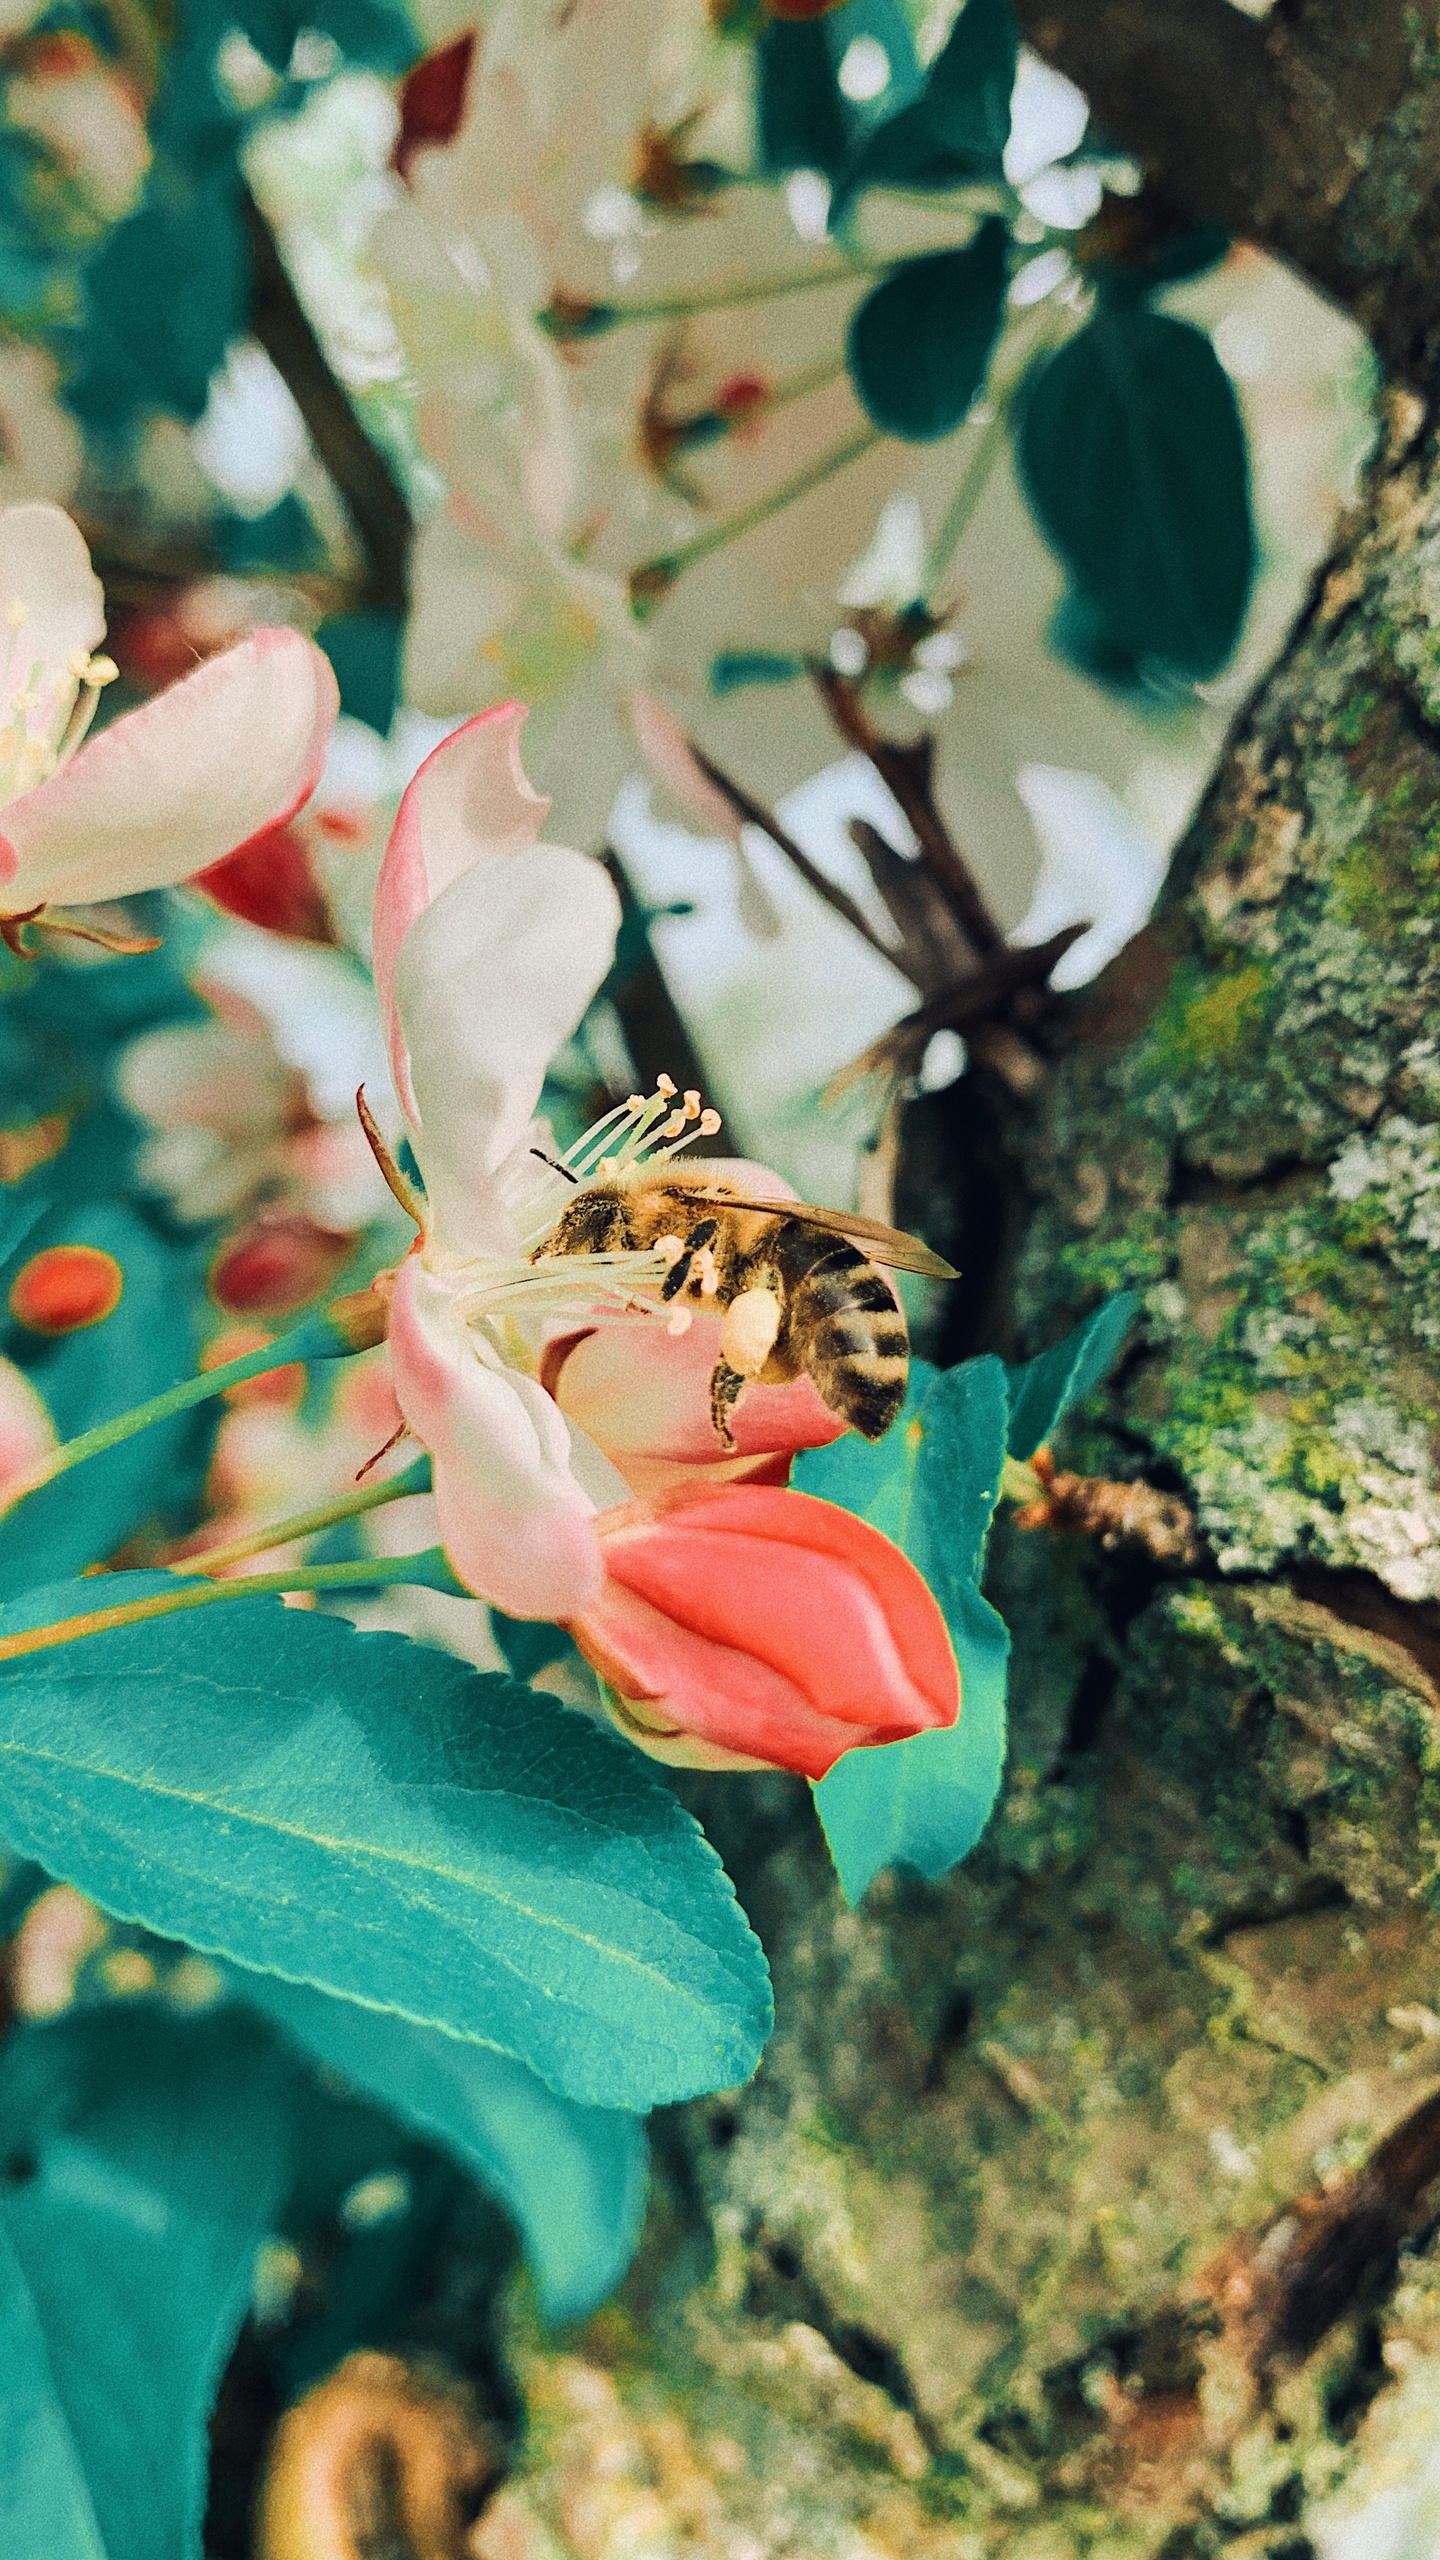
(1043, 1391)
(49, 2514)
(732, 669)
(932, 1485)
(919, 345)
(165, 296)
(571, 2178)
(958, 126)
(803, 118)
(1132, 454)
(17, 1217)
(147, 1344)
(145, 2160)
(377, 1819)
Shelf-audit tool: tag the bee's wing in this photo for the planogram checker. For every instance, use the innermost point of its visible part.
(886, 1245)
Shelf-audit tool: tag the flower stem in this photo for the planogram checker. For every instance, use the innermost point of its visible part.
(315, 1337)
(430, 1569)
(652, 582)
(303, 1524)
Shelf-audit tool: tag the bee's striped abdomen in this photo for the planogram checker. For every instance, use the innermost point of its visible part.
(843, 1325)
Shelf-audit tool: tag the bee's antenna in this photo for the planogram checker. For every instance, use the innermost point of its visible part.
(555, 1166)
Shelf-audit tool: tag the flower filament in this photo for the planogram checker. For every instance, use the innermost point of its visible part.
(44, 714)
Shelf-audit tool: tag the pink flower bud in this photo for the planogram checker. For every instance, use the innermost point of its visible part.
(745, 1626)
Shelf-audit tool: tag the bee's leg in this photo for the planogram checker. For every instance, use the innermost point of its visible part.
(751, 1323)
(697, 1241)
(726, 1388)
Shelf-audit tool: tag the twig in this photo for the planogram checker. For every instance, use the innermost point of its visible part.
(756, 814)
(962, 1005)
(908, 774)
(373, 497)
(1134, 1514)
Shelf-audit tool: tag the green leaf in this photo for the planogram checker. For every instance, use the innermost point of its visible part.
(147, 1344)
(1043, 1391)
(1133, 457)
(571, 2178)
(804, 120)
(931, 1484)
(919, 345)
(958, 126)
(144, 2160)
(375, 1818)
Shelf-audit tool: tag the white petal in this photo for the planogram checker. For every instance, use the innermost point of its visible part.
(228, 752)
(516, 1524)
(1096, 867)
(45, 566)
(492, 979)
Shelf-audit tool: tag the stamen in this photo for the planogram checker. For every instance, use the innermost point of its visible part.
(666, 1085)
(680, 1322)
(669, 1249)
(692, 1104)
(705, 1273)
(17, 613)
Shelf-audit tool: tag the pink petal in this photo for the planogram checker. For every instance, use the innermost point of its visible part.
(468, 800)
(26, 1430)
(516, 1525)
(760, 1622)
(165, 791)
(492, 979)
(644, 1393)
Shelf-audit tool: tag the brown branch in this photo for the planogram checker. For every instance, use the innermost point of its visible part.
(372, 494)
(1305, 133)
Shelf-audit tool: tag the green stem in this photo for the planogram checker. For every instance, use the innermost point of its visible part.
(429, 1569)
(1026, 344)
(650, 584)
(759, 289)
(303, 1524)
(314, 1338)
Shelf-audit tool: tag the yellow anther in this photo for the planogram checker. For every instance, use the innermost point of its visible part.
(666, 1085)
(101, 671)
(692, 1104)
(672, 1126)
(606, 1167)
(706, 1273)
(680, 1322)
(78, 664)
(709, 1123)
(669, 1249)
(17, 613)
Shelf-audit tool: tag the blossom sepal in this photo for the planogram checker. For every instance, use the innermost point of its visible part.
(744, 1626)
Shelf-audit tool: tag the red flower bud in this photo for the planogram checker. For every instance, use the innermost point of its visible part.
(66, 1288)
(749, 1626)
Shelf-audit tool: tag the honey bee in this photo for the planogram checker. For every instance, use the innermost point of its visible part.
(797, 1290)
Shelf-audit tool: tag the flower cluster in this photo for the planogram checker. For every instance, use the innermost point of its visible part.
(578, 1473)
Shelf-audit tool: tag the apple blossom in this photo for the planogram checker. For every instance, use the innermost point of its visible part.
(564, 1404)
(164, 790)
